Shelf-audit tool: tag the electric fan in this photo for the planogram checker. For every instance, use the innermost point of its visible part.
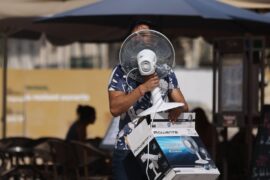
(204, 152)
(143, 53)
(193, 148)
(153, 165)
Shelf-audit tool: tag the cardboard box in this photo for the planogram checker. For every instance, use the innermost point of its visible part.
(171, 150)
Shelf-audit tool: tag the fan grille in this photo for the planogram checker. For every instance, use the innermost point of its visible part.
(146, 39)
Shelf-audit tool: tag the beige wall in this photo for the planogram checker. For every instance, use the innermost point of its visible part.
(50, 100)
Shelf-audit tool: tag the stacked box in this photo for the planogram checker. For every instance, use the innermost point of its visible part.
(169, 151)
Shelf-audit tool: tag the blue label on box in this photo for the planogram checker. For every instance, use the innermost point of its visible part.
(185, 151)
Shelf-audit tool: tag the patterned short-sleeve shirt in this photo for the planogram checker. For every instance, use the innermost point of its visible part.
(120, 82)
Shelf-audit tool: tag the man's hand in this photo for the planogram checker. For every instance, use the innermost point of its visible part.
(150, 82)
(174, 114)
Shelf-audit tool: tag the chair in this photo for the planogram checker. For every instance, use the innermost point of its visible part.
(23, 172)
(88, 162)
(51, 157)
(43, 147)
(15, 141)
(14, 151)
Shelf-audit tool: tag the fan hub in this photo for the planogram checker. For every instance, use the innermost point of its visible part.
(147, 62)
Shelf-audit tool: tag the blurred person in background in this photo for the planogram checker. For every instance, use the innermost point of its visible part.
(205, 129)
(78, 130)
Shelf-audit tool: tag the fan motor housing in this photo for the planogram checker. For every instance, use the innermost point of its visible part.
(147, 62)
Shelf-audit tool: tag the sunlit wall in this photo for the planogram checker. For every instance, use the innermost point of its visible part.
(44, 102)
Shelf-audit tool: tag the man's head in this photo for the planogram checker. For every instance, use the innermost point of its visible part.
(141, 24)
(86, 114)
(140, 27)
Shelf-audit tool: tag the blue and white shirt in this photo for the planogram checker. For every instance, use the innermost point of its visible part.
(118, 82)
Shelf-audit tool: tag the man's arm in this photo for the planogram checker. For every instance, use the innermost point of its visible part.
(176, 96)
(120, 101)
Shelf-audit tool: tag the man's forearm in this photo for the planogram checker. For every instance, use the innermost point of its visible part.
(120, 102)
(177, 96)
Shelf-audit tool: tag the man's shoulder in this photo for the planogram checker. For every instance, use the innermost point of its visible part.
(118, 69)
(117, 74)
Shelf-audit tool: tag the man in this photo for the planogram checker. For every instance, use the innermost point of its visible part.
(127, 102)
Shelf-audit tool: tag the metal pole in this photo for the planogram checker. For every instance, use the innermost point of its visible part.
(262, 85)
(250, 51)
(4, 92)
(214, 121)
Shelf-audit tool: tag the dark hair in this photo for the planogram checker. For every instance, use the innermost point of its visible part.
(86, 113)
(146, 21)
